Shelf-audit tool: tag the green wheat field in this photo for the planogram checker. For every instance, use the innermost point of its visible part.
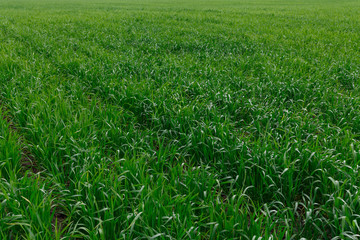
(179, 119)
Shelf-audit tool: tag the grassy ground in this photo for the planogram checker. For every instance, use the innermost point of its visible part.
(177, 120)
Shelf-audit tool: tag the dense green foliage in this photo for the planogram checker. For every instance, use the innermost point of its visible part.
(179, 120)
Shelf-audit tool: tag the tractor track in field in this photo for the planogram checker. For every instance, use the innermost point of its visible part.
(29, 164)
(28, 161)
